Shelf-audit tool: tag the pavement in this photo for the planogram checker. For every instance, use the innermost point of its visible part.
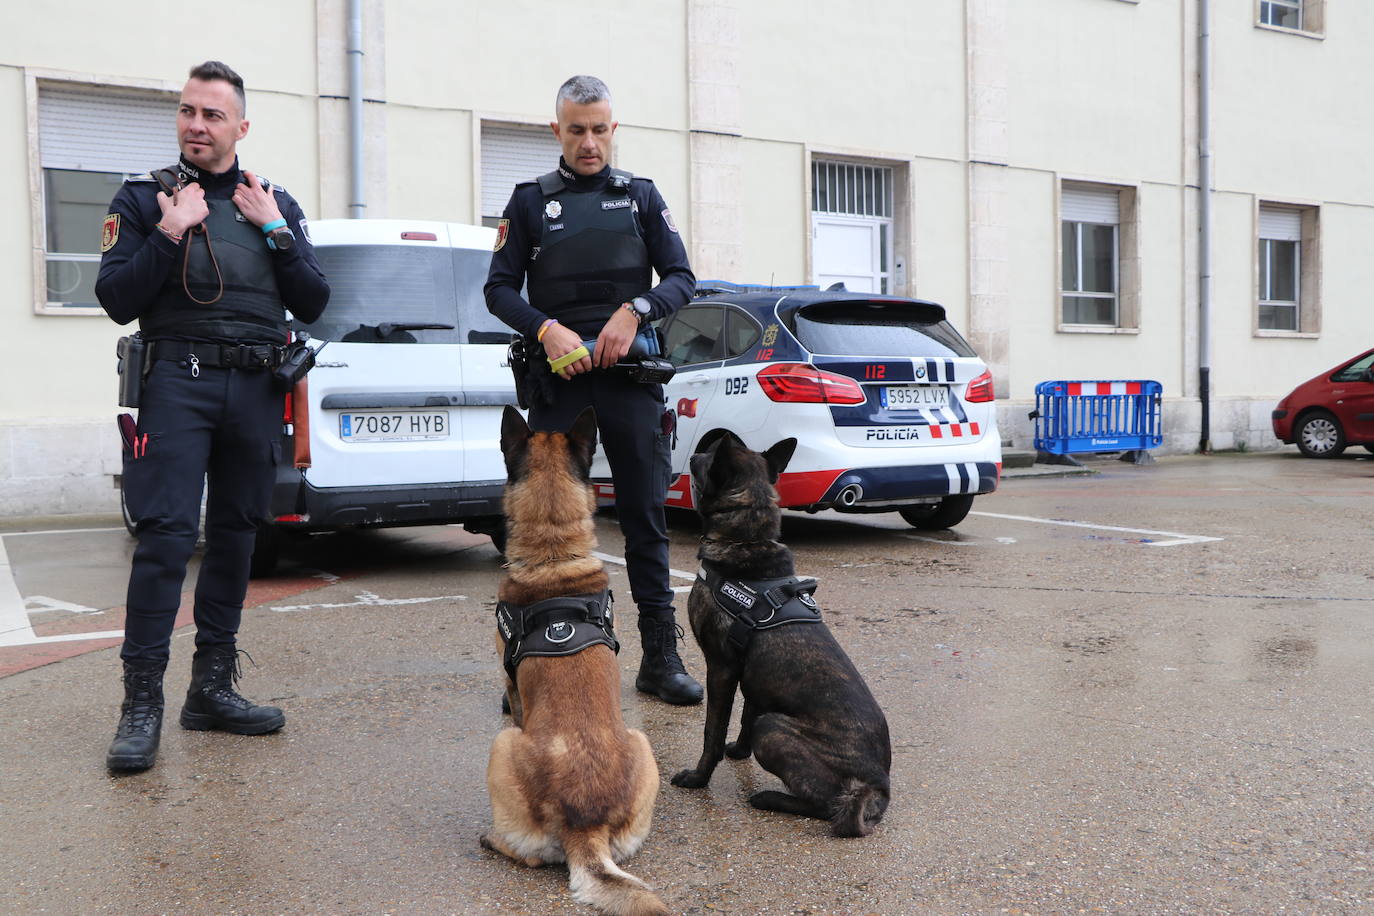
(1141, 690)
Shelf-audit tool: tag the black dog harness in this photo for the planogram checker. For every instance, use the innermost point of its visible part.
(555, 626)
(761, 604)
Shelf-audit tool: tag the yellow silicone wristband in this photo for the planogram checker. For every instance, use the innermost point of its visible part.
(544, 327)
(563, 362)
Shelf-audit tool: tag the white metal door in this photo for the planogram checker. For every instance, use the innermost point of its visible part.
(846, 250)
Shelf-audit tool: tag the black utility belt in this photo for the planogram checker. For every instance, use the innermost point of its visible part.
(222, 356)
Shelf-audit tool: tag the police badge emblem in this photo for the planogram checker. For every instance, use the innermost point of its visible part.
(553, 209)
(109, 232)
(502, 231)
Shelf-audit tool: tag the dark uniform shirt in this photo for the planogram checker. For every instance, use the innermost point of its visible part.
(135, 268)
(667, 254)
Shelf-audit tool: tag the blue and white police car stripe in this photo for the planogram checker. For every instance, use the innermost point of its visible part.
(963, 478)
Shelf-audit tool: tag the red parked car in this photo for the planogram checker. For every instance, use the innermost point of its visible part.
(1325, 414)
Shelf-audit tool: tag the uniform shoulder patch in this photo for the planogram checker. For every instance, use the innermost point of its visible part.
(109, 232)
(502, 233)
(668, 219)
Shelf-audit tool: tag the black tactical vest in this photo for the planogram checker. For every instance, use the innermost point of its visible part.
(251, 307)
(591, 254)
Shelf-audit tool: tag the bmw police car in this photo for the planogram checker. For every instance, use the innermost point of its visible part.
(891, 407)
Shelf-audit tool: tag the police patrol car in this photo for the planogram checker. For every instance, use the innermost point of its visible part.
(891, 407)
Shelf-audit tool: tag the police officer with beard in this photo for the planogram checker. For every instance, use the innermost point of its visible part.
(586, 237)
(208, 270)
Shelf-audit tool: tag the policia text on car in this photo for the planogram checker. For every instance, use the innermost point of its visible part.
(209, 271)
(587, 237)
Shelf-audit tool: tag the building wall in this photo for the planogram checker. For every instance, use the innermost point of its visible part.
(981, 107)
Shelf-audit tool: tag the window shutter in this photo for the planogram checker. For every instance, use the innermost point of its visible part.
(1280, 225)
(106, 129)
(512, 154)
(1078, 205)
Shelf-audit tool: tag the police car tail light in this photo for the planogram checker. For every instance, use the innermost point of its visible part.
(980, 389)
(801, 383)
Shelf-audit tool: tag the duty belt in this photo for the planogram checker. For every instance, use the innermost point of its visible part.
(761, 604)
(224, 356)
(555, 626)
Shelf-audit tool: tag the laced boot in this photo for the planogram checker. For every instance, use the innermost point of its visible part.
(212, 703)
(661, 672)
(140, 718)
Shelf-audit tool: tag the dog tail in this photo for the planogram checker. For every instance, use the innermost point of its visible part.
(859, 808)
(596, 879)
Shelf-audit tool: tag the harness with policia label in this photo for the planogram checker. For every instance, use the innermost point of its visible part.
(555, 626)
(761, 604)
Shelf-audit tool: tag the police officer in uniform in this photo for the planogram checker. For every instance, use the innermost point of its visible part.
(208, 271)
(586, 237)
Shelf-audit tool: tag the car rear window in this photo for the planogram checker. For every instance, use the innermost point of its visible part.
(865, 328)
(380, 293)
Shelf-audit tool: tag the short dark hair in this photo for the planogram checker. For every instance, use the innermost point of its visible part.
(218, 70)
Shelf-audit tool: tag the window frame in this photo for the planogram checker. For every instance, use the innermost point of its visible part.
(1307, 278)
(892, 229)
(1311, 17)
(34, 77)
(1126, 270)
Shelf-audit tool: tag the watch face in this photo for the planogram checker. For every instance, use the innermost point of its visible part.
(282, 239)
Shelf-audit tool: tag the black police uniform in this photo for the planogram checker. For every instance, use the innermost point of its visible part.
(587, 244)
(216, 325)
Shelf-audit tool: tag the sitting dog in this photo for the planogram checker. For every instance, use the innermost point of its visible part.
(569, 782)
(808, 717)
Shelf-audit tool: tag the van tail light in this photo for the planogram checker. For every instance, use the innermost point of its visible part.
(288, 410)
(802, 383)
(980, 389)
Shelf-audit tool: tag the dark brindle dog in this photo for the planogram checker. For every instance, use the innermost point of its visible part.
(808, 718)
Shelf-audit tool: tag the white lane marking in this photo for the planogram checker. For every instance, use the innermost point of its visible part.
(15, 629)
(367, 599)
(38, 603)
(1178, 538)
(621, 562)
(970, 543)
(19, 534)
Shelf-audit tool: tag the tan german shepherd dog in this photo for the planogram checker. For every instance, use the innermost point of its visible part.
(569, 782)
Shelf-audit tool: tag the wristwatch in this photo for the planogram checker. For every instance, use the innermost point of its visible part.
(638, 307)
(281, 239)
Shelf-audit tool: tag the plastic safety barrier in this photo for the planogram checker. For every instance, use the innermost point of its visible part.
(1097, 416)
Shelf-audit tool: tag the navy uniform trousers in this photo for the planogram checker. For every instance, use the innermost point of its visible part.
(225, 423)
(637, 439)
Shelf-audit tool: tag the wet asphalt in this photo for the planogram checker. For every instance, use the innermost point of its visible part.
(1094, 708)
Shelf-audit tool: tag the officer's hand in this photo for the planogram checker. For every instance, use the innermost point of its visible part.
(185, 208)
(615, 338)
(256, 205)
(560, 341)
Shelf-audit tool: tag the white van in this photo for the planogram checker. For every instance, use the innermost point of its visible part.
(406, 396)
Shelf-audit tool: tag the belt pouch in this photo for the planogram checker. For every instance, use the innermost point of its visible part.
(132, 354)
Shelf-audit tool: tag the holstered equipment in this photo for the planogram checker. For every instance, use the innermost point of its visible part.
(555, 626)
(761, 604)
(133, 361)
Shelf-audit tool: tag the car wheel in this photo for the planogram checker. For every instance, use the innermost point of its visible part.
(130, 524)
(1319, 435)
(947, 513)
(266, 552)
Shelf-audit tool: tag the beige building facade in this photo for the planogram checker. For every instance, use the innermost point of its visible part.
(1032, 166)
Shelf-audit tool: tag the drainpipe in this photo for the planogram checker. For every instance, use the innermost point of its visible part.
(355, 108)
(1204, 135)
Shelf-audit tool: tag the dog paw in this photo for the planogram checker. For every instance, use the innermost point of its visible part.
(737, 751)
(689, 779)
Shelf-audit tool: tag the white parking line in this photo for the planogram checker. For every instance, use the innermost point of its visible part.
(677, 589)
(15, 629)
(1177, 538)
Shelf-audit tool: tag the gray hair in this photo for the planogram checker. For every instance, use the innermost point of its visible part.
(581, 90)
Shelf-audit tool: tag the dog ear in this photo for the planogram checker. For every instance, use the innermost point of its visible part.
(778, 456)
(582, 437)
(515, 437)
(722, 467)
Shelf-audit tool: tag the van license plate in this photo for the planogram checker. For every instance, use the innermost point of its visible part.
(914, 397)
(374, 425)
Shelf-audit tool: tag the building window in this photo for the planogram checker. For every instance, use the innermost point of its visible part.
(852, 209)
(90, 140)
(1283, 13)
(1286, 271)
(512, 153)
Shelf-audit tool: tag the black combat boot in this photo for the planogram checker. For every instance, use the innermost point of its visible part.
(661, 672)
(140, 718)
(211, 702)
